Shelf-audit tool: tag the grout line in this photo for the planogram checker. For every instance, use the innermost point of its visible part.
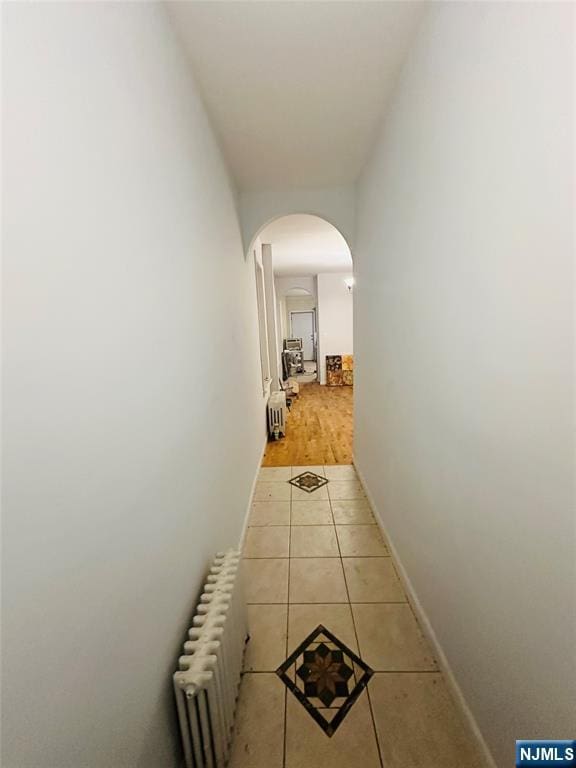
(407, 672)
(408, 601)
(356, 602)
(328, 602)
(375, 732)
(306, 525)
(376, 672)
(287, 626)
(261, 603)
(322, 602)
(380, 602)
(289, 557)
(321, 557)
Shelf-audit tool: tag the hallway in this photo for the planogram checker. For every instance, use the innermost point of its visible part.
(319, 429)
(319, 559)
(201, 202)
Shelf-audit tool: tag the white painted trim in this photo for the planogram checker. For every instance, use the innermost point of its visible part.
(428, 630)
(251, 497)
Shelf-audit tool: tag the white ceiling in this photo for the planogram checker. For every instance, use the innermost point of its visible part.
(306, 245)
(295, 90)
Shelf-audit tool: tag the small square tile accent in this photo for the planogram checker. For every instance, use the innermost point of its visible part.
(308, 481)
(326, 677)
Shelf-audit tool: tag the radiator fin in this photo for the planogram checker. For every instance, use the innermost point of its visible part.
(207, 681)
(277, 414)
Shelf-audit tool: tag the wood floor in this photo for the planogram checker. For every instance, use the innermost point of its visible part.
(319, 429)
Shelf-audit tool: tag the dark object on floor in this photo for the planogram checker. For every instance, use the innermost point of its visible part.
(326, 677)
(334, 376)
(308, 481)
(348, 370)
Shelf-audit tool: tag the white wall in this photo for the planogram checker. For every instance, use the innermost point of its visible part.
(286, 284)
(335, 324)
(463, 342)
(334, 204)
(126, 288)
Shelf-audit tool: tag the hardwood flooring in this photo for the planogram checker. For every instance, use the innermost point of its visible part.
(319, 429)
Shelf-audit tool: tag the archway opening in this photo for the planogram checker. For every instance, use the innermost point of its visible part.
(307, 317)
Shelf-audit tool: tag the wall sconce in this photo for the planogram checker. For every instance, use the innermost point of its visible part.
(349, 283)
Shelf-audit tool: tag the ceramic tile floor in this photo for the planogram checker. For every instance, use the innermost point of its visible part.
(319, 558)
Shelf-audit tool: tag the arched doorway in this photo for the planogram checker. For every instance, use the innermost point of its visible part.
(306, 271)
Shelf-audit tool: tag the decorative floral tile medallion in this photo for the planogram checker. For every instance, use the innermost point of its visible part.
(308, 481)
(326, 677)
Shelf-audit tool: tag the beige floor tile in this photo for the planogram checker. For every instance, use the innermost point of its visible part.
(390, 639)
(270, 513)
(372, 580)
(266, 649)
(418, 724)
(317, 581)
(270, 541)
(311, 512)
(259, 731)
(275, 474)
(351, 512)
(272, 492)
(266, 581)
(345, 489)
(361, 541)
(298, 494)
(353, 745)
(304, 619)
(340, 472)
(317, 470)
(313, 541)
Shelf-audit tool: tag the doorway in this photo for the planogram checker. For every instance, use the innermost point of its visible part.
(303, 326)
(308, 283)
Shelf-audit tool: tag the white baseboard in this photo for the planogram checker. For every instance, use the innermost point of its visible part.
(251, 497)
(428, 630)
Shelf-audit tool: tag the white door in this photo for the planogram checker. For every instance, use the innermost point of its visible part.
(303, 327)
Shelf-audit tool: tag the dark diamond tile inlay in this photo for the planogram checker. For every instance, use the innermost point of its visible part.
(326, 677)
(308, 481)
